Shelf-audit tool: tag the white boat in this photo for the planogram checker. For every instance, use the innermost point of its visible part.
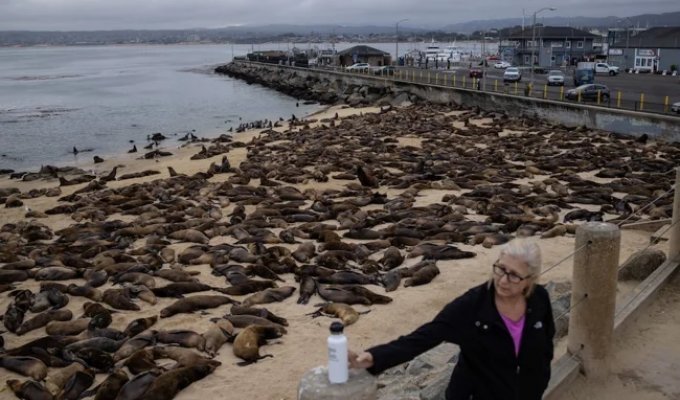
(433, 52)
(451, 53)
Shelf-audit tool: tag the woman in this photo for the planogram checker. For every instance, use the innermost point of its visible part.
(504, 328)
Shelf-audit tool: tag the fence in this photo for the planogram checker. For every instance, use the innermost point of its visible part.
(614, 99)
(594, 315)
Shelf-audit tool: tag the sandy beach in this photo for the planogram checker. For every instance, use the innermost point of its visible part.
(304, 346)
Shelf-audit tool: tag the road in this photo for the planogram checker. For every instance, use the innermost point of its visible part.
(654, 87)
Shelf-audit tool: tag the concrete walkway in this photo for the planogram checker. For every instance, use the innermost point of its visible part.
(646, 359)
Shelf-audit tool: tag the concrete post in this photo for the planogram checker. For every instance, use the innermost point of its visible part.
(314, 385)
(674, 250)
(593, 296)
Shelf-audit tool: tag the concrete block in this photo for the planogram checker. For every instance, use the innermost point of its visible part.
(314, 385)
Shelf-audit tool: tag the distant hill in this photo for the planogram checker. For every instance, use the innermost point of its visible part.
(644, 20)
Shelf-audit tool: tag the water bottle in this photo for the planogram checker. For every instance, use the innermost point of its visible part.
(337, 354)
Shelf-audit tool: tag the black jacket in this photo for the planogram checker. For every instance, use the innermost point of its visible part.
(487, 367)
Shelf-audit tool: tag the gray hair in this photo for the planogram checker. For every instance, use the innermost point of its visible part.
(527, 251)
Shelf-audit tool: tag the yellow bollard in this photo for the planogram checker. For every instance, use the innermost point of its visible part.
(495, 85)
(464, 79)
(436, 78)
(561, 93)
(454, 80)
(579, 97)
(642, 101)
(599, 96)
(516, 88)
(428, 77)
(665, 104)
(618, 99)
(545, 91)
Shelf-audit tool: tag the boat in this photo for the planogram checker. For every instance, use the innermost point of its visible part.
(451, 53)
(434, 53)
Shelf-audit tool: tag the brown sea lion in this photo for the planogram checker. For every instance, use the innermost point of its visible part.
(190, 235)
(348, 278)
(56, 274)
(270, 296)
(84, 291)
(392, 258)
(168, 384)
(140, 361)
(135, 343)
(13, 318)
(217, 335)
(43, 319)
(134, 388)
(56, 380)
(98, 360)
(139, 325)
(119, 299)
(258, 312)
(304, 252)
(337, 294)
(244, 321)
(194, 303)
(423, 276)
(175, 275)
(307, 289)
(137, 278)
(109, 389)
(184, 338)
(183, 356)
(178, 289)
(26, 366)
(67, 328)
(439, 252)
(248, 341)
(30, 390)
(248, 286)
(392, 279)
(345, 312)
(76, 385)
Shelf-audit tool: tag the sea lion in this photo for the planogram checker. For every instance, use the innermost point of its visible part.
(391, 259)
(190, 235)
(258, 312)
(345, 312)
(392, 279)
(176, 275)
(43, 319)
(366, 178)
(217, 335)
(178, 289)
(307, 289)
(26, 366)
(137, 278)
(246, 287)
(30, 390)
(304, 252)
(133, 344)
(347, 278)
(248, 341)
(183, 356)
(140, 361)
(67, 328)
(56, 274)
(109, 389)
(168, 384)
(134, 388)
(139, 325)
(439, 252)
(195, 303)
(337, 294)
(76, 385)
(119, 299)
(96, 359)
(56, 380)
(244, 321)
(375, 298)
(100, 343)
(84, 291)
(270, 296)
(184, 338)
(13, 318)
(422, 276)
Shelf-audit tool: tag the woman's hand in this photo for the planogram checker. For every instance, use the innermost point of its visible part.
(358, 361)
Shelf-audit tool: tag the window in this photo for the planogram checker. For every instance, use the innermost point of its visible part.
(568, 44)
(526, 59)
(552, 58)
(579, 45)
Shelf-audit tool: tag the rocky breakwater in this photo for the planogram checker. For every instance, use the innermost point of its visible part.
(325, 90)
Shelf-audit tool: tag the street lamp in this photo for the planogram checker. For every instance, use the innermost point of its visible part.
(396, 50)
(533, 40)
(632, 25)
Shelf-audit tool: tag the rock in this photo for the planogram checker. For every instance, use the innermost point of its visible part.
(641, 264)
(436, 389)
(560, 308)
(401, 100)
(432, 359)
(314, 385)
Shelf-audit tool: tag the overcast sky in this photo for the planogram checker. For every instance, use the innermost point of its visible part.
(178, 14)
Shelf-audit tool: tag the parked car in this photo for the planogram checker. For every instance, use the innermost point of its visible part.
(476, 72)
(589, 92)
(502, 65)
(384, 70)
(512, 74)
(675, 107)
(555, 77)
(358, 67)
(604, 68)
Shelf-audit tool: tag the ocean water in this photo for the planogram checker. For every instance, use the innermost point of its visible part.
(101, 98)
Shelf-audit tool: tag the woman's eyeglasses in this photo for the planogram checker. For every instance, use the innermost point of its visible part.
(499, 270)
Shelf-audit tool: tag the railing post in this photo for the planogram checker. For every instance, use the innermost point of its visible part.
(314, 385)
(674, 245)
(562, 92)
(618, 99)
(593, 296)
(665, 104)
(642, 101)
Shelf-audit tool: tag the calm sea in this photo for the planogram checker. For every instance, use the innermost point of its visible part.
(100, 98)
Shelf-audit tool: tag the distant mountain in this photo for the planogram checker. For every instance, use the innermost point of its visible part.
(644, 20)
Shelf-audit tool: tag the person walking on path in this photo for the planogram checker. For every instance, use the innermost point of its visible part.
(504, 329)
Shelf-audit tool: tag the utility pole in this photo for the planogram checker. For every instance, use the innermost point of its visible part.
(533, 40)
(396, 50)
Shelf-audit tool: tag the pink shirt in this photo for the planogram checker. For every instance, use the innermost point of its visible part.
(515, 328)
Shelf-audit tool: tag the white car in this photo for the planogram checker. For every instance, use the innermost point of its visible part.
(675, 107)
(512, 74)
(358, 67)
(502, 65)
(604, 68)
(555, 77)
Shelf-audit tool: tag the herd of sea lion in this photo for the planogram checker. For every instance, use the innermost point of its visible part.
(135, 249)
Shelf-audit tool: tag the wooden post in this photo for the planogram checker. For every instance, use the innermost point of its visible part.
(314, 385)
(593, 296)
(674, 250)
